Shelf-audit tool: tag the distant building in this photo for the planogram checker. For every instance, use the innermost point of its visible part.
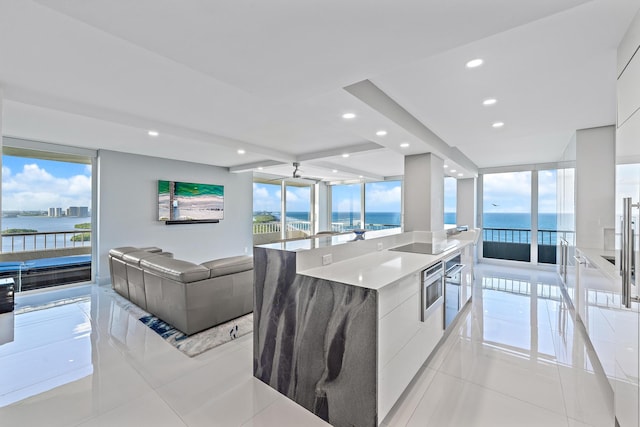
(80, 211)
(55, 212)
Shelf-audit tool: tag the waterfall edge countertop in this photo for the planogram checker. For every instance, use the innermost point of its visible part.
(378, 269)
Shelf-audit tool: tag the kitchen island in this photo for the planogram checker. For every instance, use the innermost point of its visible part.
(612, 331)
(344, 339)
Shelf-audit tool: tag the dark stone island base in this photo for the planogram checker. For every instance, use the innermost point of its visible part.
(315, 341)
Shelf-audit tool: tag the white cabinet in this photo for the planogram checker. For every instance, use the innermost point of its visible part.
(404, 341)
(596, 304)
(625, 382)
(467, 279)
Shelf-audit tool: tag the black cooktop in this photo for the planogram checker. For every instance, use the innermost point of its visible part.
(416, 248)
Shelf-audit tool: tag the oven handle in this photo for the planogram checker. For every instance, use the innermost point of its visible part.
(454, 270)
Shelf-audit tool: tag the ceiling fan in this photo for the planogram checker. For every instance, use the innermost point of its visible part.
(297, 173)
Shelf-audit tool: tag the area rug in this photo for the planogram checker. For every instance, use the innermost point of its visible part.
(202, 341)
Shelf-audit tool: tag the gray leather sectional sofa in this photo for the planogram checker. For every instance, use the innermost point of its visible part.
(191, 297)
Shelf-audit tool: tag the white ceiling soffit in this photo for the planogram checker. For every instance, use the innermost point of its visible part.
(368, 93)
(550, 77)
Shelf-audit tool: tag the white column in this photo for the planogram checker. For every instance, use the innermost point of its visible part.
(423, 193)
(595, 185)
(466, 204)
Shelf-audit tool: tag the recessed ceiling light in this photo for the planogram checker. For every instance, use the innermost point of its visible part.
(405, 145)
(497, 124)
(335, 171)
(460, 174)
(452, 170)
(360, 176)
(241, 151)
(345, 155)
(474, 63)
(381, 133)
(489, 101)
(446, 166)
(260, 168)
(348, 116)
(153, 133)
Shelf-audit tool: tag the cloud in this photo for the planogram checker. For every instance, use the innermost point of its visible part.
(383, 197)
(33, 188)
(265, 200)
(507, 192)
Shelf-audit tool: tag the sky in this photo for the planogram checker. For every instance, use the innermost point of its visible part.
(34, 184)
(503, 192)
(380, 197)
(511, 192)
(266, 198)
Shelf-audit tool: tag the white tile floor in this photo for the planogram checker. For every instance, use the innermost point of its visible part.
(512, 360)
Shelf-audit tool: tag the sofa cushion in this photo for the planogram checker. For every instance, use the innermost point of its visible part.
(175, 269)
(153, 249)
(121, 251)
(230, 265)
(137, 256)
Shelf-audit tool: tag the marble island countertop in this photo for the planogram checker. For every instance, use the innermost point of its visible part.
(378, 269)
(326, 241)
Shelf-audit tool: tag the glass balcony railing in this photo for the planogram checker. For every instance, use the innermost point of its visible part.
(268, 232)
(45, 259)
(515, 244)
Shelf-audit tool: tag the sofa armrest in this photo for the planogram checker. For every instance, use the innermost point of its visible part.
(175, 269)
(230, 265)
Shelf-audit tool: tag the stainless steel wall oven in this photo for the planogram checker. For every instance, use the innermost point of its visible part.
(452, 281)
(431, 289)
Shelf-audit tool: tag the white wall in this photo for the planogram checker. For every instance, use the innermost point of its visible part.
(128, 209)
(595, 185)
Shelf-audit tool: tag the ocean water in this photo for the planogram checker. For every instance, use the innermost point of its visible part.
(41, 224)
(510, 220)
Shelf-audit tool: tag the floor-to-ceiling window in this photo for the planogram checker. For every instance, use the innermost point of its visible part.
(547, 216)
(371, 206)
(506, 216)
(267, 211)
(522, 218)
(282, 209)
(346, 201)
(47, 201)
(383, 205)
(450, 200)
(298, 218)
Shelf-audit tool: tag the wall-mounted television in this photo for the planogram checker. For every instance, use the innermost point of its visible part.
(190, 202)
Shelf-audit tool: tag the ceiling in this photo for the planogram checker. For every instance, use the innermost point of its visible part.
(273, 79)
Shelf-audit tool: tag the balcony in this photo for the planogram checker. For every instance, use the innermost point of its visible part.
(269, 232)
(45, 259)
(515, 244)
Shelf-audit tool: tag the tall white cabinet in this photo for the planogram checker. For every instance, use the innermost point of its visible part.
(627, 321)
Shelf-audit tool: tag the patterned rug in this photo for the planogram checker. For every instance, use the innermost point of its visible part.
(202, 341)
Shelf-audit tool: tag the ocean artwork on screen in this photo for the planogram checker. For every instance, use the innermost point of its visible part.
(188, 201)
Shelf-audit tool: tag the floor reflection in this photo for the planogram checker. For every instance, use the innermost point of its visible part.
(50, 347)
